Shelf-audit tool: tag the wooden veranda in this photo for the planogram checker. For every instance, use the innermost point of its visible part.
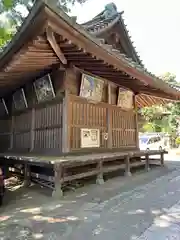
(72, 96)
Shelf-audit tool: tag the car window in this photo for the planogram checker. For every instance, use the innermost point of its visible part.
(155, 139)
(144, 140)
(158, 139)
(151, 140)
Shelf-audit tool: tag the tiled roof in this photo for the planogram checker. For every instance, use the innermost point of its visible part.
(177, 87)
(100, 23)
(129, 62)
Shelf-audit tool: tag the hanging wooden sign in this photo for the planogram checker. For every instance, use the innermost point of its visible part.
(125, 99)
(44, 89)
(19, 100)
(3, 108)
(91, 88)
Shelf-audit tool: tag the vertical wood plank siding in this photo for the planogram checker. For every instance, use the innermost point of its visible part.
(123, 128)
(87, 115)
(21, 131)
(5, 134)
(45, 129)
(48, 128)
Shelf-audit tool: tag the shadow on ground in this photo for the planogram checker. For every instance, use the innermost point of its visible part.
(32, 213)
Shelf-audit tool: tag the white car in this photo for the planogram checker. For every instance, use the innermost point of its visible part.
(151, 143)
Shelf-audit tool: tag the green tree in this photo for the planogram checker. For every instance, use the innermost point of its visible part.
(169, 78)
(13, 12)
(156, 118)
(162, 118)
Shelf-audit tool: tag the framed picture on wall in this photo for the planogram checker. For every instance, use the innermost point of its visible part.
(44, 89)
(19, 100)
(3, 108)
(125, 99)
(91, 87)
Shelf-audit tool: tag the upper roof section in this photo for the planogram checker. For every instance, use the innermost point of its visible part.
(110, 19)
(49, 37)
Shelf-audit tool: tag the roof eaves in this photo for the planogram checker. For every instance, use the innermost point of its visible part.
(129, 39)
(98, 42)
(157, 81)
(97, 25)
(22, 34)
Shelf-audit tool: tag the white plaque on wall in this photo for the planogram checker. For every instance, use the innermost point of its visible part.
(90, 138)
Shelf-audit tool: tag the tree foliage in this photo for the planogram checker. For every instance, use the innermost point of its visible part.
(169, 78)
(13, 12)
(162, 118)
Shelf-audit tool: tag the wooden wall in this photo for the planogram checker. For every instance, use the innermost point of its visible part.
(123, 128)
(21, 131)
(5, 134)
(38, 128)
(86, 115)
(120, 125)
(48, 128)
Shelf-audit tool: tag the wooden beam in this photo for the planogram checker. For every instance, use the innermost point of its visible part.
(89, 61)
(65, 123)
(52, 41)
(136, 121)
(76, 53)
(93, 64)
(32, 131)
(12, 133)
(143, 99)
(109, 118)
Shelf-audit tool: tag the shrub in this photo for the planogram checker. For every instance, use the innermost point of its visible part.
(178, 140)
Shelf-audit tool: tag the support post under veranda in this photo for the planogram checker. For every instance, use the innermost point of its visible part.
(57, 192)
(27, 175)
(127, 166)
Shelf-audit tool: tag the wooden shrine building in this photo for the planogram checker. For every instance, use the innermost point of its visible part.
(70, 88)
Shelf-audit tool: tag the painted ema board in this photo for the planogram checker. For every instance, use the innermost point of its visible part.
(91, 88)
(19, 100)
(3, 108)
(90, 138)
(44, 89)
(125, 99)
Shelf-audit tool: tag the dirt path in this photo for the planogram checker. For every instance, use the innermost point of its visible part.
(33, 214)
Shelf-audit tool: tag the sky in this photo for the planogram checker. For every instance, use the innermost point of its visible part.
(154, 26)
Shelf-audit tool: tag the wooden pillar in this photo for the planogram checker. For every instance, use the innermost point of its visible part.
(57, 193)
(162, 158)
(27, 175)
(32, 134)
(65, 124)
(100, 179)
(109, 118)
(127, 166)
(136, 122)
(12, 133)
(147, 167)
(68, 75)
